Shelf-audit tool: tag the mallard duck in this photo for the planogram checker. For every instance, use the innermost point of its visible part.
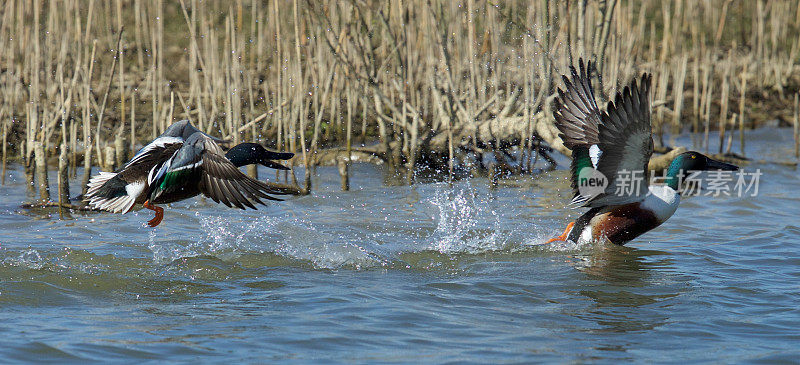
(611, 143)
(181, 163)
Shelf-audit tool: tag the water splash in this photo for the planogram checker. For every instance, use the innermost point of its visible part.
(460, 211)
(223, 238)
(453, 220)
(295, 239)
(29, 258)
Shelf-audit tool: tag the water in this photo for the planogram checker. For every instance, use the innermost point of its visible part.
(428, 273)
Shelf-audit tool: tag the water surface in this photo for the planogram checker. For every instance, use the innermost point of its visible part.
(386, 273)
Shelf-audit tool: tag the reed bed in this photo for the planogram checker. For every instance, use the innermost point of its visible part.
(407, 83)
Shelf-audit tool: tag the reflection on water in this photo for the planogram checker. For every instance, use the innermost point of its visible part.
(394, 273)
(616, 274)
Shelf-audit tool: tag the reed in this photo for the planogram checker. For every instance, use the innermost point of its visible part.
(723, 109)
(430, 82)
(742, 99)
(796, 126)
(63, 179)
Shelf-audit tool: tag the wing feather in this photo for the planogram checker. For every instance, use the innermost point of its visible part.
(627, 142)
(614, 141)
(202, 162)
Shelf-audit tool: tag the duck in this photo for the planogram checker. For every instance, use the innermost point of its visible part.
(606, 147)
(181, 163)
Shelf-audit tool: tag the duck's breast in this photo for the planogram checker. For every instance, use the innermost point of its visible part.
(622, 223)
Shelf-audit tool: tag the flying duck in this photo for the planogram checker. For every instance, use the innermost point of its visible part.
(181, 163)
(610, 145)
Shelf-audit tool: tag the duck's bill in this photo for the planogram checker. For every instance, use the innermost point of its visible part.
(719, 165)
(278, 155)
(274, 165)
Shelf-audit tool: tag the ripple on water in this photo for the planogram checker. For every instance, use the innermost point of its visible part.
(397, 273)
(460, 221)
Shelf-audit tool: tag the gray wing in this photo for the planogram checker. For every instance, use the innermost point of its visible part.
(175, 134)
(202, 161)
(578, 119)
(626, 144)
(576, 112)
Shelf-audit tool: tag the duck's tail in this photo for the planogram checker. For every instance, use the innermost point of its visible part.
(107, 191)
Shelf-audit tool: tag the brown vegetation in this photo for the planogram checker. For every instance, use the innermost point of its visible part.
(433, 82)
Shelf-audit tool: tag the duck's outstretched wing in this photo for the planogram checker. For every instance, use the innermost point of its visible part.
(202, 161)
(615, 143)
(118, 191)
(577, 115)
(626, 144)
(578, 119)
(175, 134)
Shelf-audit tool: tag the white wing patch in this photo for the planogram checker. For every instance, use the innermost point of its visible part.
(159, 142)
(595, 153)
(134, 189)
(157, 174)
(196, 164)
(120, 204)
(97, 181)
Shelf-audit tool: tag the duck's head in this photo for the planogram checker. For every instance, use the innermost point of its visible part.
(694, 161)
(253, 153)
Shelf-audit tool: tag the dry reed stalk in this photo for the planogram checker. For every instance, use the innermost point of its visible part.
(63, 179)
(665, 39)
(759, 42)
(742, 96)
(528, 84)
(121, 56)
(186, 111)
(41, 171)
(301, 106)
(348, 141)
(678, 91)
(107, 163)
(581, 27)
(133, 123)
(729, 144)
(695, 101)
(5, 151)
(103, 105)
(342, 164)
(120, 155)
(547, 84)
(721, 24)
(661, 95)
(137, 14)
(279, 90)
(796, 126)
(169, 117)
(159, 54)
(723, 112)
(707, 119)
(609, 11)
(364, 119)
(87, 136)
(390, 57)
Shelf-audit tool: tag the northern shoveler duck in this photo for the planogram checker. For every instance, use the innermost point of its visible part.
(618, 140)
(181, 163)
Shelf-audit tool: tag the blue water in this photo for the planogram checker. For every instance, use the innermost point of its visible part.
(428, 273)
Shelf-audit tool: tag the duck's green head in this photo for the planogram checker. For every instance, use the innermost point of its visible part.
(690, 161)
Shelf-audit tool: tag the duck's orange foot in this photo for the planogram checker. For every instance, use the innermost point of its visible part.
(563, 236)
(159, 214)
